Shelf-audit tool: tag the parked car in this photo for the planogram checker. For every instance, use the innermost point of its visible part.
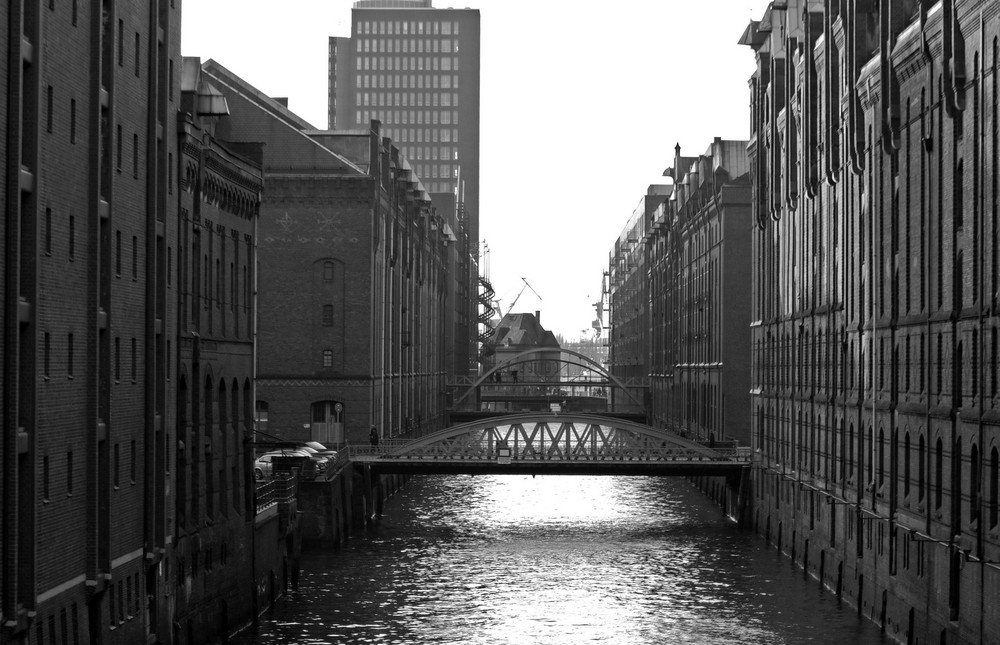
(277, 461)
(323, 450)
(322, 461)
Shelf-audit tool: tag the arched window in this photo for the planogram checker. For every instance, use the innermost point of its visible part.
(328, 271)
(974, 484)
(850, 452)
(209, 436)
(182, 450)
(906, 465)
(224, 482)
(234, 404)
(921, 469)
(881, 457)
(956, 478)
(994, 486)
(938, 473)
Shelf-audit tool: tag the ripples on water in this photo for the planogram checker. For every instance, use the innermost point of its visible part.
(556, 560)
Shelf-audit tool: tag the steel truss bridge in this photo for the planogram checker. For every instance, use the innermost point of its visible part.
(552, 443)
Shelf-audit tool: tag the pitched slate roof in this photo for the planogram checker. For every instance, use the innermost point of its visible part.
(258, 117)
(523, 330)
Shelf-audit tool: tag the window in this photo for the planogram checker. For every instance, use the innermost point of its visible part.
(47, 346)
(121, 43)
(994, 491)
(48, 231)
(118, 359)
(133, 360)
(48, 104)
(132, 466)
(135, 156)
(921, 469)
(45, 478)
(328, 271)
(72, 120)
(118, 148)
(72, 238)
(137, 57)
(69, 473)
(974, 484)
(938, 474)
(327, 315)
(69, 356)
(327, 358)
(118, 253)
(906, 465)
(117, 466)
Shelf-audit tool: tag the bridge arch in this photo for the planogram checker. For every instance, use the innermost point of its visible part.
(521, 357)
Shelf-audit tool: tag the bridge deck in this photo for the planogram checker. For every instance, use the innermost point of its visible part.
(553, 443)
(431, 466)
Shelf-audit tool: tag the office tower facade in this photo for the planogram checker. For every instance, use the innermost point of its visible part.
(415, 69)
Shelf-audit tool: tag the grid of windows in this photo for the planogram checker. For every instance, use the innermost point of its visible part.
(421, 59)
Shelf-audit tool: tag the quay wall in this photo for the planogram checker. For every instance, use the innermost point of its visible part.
(330, 510)
(905, 593)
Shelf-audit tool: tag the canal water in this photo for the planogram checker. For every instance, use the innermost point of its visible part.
(556, 560)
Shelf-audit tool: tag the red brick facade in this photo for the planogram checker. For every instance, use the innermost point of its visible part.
(354, 282)
(874, 154)
(89, 143)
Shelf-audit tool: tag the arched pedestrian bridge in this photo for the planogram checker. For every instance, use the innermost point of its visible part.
(551, 444)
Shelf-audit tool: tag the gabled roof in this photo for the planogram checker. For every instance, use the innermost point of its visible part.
(523, 331)
(258, 117)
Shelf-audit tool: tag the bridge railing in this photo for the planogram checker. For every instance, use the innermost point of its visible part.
(487, 450)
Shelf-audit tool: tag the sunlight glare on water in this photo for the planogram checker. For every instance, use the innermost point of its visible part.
(556, 560)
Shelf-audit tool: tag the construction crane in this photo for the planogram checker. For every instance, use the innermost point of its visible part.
(518, 296)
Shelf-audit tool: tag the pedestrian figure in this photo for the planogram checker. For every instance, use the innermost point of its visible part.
(373, 437)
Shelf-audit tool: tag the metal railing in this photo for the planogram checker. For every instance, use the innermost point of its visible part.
(281, 489)
(618, 447)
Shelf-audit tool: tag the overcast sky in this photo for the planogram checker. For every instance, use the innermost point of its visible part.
(581, 106)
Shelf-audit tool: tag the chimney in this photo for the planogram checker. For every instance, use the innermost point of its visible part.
(538, 317)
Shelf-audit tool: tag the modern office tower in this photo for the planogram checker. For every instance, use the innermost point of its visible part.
(88, 125)
(415, 69)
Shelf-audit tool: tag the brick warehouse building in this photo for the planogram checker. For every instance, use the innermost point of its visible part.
(216, 568)
(698, 247)
(628, 295)
(874, 161)
(109, 508)
(354, 280)
(89, 136)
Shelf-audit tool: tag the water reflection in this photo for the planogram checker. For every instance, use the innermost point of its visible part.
(556, 560)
